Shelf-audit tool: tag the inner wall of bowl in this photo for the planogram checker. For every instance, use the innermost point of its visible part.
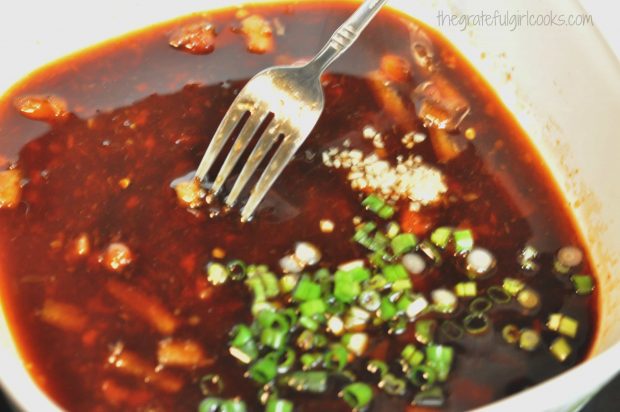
(544, 75)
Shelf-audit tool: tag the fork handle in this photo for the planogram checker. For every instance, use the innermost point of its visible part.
(346, 34)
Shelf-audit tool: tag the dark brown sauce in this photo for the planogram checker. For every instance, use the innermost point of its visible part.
(145, 111)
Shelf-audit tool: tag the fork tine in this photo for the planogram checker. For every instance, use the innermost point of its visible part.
(224, 130)
(241, 143)
(261, 149)
(279, 161)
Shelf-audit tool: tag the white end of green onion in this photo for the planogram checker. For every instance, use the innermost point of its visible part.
(444, 301)
(416, 307)
(353, 264)
(217, 273)
(335, 325)
(529, 340)
(307, 253)
(356, 319)
(290, 264)
(357, 343)
(479, 262)
(414, 263)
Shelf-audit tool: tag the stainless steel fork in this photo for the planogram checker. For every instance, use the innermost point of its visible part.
(295, 97)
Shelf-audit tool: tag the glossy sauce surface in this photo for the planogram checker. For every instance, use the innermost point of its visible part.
(144, 111)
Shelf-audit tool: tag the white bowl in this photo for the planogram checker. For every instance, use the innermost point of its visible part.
(564, 88)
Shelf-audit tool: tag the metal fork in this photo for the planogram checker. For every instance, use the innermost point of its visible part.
(295, 97)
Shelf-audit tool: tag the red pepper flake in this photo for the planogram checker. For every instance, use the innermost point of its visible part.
(197, 38)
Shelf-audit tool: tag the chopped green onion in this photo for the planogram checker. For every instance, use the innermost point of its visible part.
(286, 360)
(397, 326)
(440, 358)
(498, 295)
(257, 288)
(441, 236)
(379, 242)
(387, 310)
(422, 376)
(313, 307)
(306, 290)
(274, 338)
(584, 284)
(356, 319)
(310, 360)
(417, 306)
(217, 273)
(373, 203)
(392, 230)
(241, 335)
(463, 241)
(359, 274)
(309, 323)
(402, 285)
(513, 286)
(403, 243)
(424, 330)
(480, 305)
(451, 330)
(567, 259)
(528, 298)
(561, 349)
(370, 300)
(279, 405)
(411, 356)
(211, 384)
(289, 282)
(430, 398)
(346, 288)
(377, 282)
(335, 325)
(466, 289)
(336, 358)
(414, 263)
(511, 334)
(395, 272)
(568, 326)
(444, 301)
(479, 263)
(431, 252)
(233, 405)
(305, 340)
(377, 367)
(386, 212)
(210, 404)
(307, 381)
(392, 385)
(263, 370)
(245, 353)
(357, 395)
(270, 284)
(237, 269)
(476, 323)
(529, 340)
(378, 259)
(563, 324)
(356, 343)
(320, 340)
